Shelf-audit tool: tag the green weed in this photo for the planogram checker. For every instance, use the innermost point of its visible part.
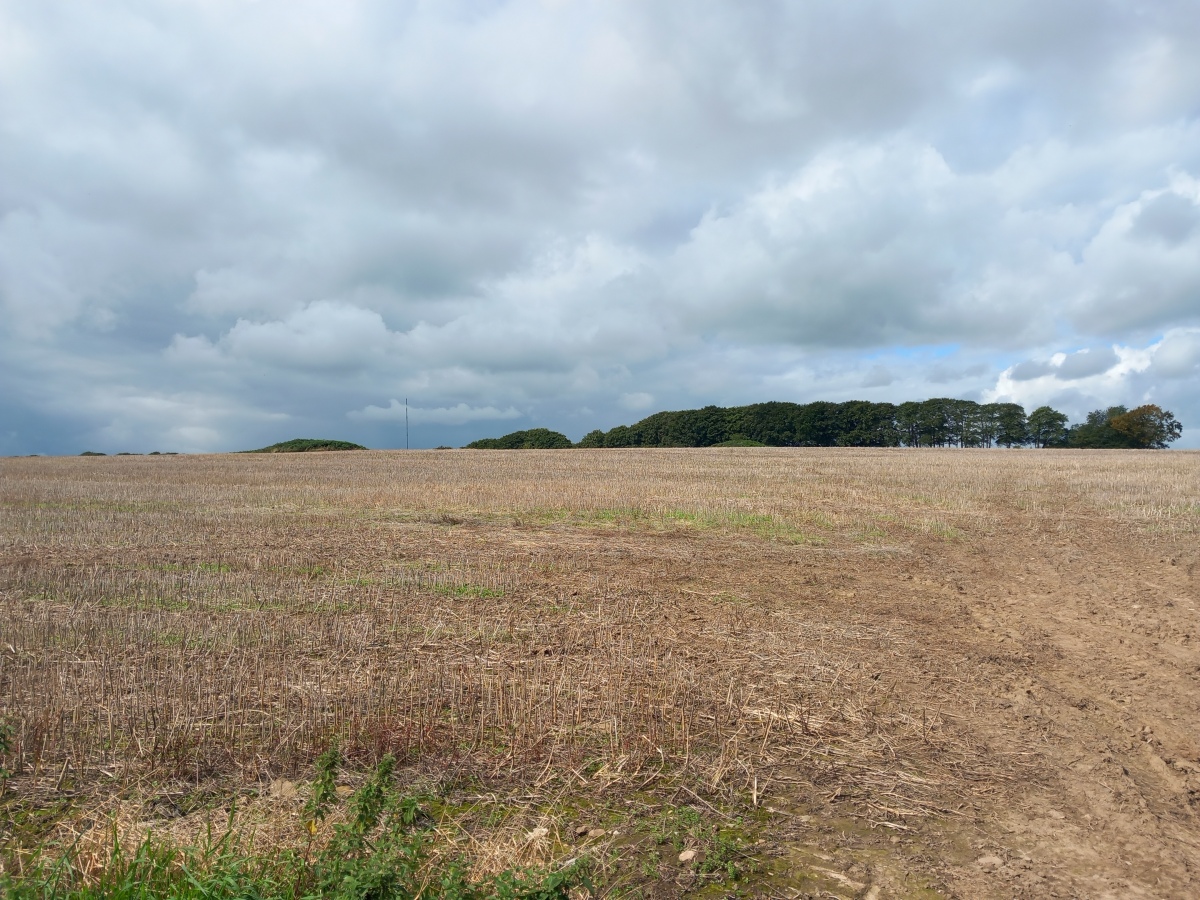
(382, 852)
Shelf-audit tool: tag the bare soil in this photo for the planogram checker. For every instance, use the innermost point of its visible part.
(1097, 630)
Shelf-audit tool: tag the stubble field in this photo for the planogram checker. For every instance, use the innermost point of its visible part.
(829, 673)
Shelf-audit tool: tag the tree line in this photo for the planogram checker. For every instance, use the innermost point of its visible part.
(939, 422)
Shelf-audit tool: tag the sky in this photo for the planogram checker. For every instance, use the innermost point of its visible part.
(225, 223)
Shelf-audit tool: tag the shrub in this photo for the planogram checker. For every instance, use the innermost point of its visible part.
(532, 439)
(308, 445)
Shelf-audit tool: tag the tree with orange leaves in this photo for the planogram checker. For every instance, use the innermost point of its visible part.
(1148, 426)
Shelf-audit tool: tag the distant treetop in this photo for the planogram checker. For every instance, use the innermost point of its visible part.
(1148, 427)
(939, 422)
(532, 439)
(307, 445)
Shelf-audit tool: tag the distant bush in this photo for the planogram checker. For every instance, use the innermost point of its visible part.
(308, 445)
(92, 453)
(531, 439)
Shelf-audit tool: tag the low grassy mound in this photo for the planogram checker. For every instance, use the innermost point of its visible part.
(531, 439)
(308, 445)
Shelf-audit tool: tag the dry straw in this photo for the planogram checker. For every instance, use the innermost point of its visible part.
(637, 612)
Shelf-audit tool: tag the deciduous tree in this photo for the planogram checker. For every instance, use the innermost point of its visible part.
(1148, 426)
(1047, 427)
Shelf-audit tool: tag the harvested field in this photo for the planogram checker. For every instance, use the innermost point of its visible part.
(838, 673)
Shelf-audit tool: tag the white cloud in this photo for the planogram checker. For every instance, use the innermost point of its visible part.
(1143, 266)
(321, 336)
(1123, 374)
(299, 209)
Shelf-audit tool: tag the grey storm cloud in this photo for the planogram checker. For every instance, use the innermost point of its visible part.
(224, 222)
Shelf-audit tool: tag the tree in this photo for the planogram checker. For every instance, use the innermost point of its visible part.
(531, 439)
(1149, 426)
(908, 421)
(966, 423)
(1047, 427)
(1096, 432)
(772, 423)
(592, 439)
(621, 436)
(816, 424)
(695, 428)
(861, 423)
(937, 421)
(1008, 426)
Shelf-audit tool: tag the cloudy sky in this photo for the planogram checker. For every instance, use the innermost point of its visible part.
(225, 223)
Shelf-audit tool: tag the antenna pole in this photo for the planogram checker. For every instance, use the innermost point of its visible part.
(405, 423)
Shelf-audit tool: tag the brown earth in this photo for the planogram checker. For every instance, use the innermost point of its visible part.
(1104, 637)
(1092, 638)
(917, 673)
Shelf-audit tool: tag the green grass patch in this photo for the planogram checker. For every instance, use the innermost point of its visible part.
(720, 849)
(945, 530)
(387, 849)
(766, 526)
